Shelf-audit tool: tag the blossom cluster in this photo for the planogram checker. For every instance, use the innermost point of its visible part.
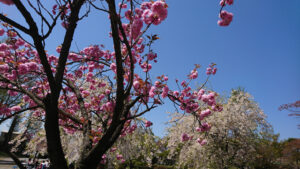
(226, 17)
(7, 2)
(18, 67)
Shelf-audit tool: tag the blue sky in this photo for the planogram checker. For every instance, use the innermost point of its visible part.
(259, 51)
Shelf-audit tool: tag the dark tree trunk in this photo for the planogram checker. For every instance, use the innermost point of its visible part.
(95, 155)
(54, 146)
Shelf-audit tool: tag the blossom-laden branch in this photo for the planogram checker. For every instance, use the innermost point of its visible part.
(294, 108)
(226, 17)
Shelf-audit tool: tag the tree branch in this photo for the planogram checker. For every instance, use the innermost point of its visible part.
(14, 24)
(17, 113)
(75, 9)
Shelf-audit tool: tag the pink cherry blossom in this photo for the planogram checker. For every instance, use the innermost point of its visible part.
(32, 66)
(113, 67)
(165, 92)
(159, 8)
(54, 9)
(226, 18)
(2, 32)
(152, 92)
(15, 108)
(7, 2)
(136, 85)
(22, 69)
(4, 68)
(65, 24)
(202, 142)
(109, 106)
(19, 42)
(107, 91)
(122, 5)
(222, 3)
(12, 93)
(103, 160)
(101, 96)
(201, 92)
(11, 34)
(85, 93)
(128, 14)
(78, 73)
(146, 67)
(113, 149)
(146, 5)
(148, 16)
(229, 2)
(184, 137)
(204, 127)
(148, 124)
(208, 70)
(151, 56)
(136, 28)
(3, 47)
(214, 71)
(58, 49)
(194, 74)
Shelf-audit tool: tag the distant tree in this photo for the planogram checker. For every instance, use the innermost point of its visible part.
(231, 140)
(291, 153)
(268, 151)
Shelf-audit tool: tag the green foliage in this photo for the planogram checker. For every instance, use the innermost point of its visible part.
(134, 164)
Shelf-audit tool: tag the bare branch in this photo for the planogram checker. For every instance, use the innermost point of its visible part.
(14, 24)
(101, 9)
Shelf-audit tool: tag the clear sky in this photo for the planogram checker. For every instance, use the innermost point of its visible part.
(259, 51)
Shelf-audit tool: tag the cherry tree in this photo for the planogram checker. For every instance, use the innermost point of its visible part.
(231, 141)
(94, 93)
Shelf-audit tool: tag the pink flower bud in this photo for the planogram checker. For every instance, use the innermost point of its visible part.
(229, 2)
(194, 74)
(165, 92)
(184, 137)
(148, 124)
(226, 18)
(113, 67)
(152, 92)
(15, 108)
(2, 32)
